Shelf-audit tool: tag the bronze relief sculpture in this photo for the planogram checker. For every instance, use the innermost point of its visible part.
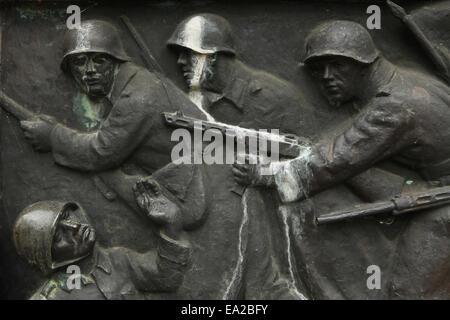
(129, 199)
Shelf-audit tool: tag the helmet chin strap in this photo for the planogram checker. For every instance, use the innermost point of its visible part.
(57, 265)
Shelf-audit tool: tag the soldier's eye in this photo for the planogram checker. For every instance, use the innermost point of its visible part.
(79, 61)
(65, 215)
(101, 59)
(315, 70)
(57, 237)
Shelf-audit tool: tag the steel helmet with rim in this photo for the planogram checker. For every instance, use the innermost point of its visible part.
(341, 38)
(93, 36)
(34, 230)
(204, 33)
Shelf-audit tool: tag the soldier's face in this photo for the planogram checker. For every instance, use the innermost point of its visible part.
(94, 72)
(197, 68)
(338, 78)
(72, 239)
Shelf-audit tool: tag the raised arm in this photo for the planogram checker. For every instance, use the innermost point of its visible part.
(162, 270)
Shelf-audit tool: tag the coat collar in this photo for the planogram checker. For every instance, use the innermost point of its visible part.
(127, 71)
(236, 87)
(380, 79)
(103, 262)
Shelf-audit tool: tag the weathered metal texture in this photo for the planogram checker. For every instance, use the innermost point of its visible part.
(268, 36)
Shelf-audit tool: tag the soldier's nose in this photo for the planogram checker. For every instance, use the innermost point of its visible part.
(327, 74)
(90, 67)
(70, 225)
(182, 59)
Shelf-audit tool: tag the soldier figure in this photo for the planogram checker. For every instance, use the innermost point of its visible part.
(230, 91)
(94, 57)
(55, 234)
(401, 115)
(134, 136)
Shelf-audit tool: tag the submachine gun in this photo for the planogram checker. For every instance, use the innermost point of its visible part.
(398, 205)
(288, 147)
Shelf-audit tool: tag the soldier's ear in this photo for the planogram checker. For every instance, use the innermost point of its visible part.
(365, 68)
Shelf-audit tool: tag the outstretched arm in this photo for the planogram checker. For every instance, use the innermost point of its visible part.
(377, 133)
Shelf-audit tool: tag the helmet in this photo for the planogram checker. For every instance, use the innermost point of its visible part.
(204, 33)
(93, 36)
(341, 38)
(34, 230)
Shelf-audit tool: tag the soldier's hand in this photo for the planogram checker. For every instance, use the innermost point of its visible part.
(156, 206)
(250, 175)
(299, 140)
(37, 131)
(398, 11)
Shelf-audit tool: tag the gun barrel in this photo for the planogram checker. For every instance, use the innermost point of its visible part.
(14, 107)
(359, 211)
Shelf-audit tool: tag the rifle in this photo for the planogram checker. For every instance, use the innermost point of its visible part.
(402, 204)
(287, 147)
(435, 56)
(146, 54)
(16, 109)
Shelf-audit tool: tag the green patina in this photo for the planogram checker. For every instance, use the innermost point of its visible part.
(88, 112)
(61, 279)
(33, 12)
(60, 26)
(409, 182)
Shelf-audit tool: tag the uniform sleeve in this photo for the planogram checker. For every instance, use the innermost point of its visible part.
(162, 270)
(123, 130)
(378, 132)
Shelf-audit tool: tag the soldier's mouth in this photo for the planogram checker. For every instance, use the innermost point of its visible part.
(86, 233)
(187, 75)
(332, 89)
(92, 82)
(331, 86)
(82, 229)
